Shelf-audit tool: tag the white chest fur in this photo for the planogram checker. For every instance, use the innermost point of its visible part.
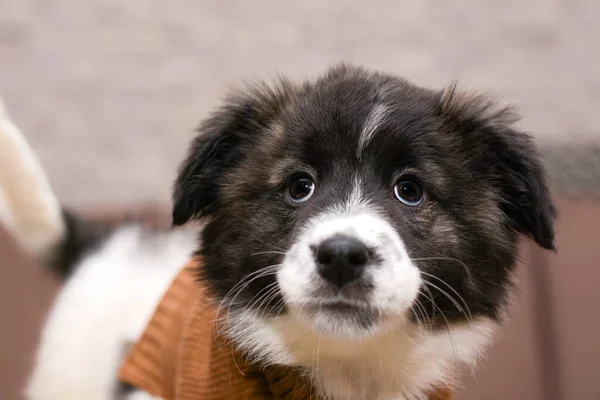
(402, 363)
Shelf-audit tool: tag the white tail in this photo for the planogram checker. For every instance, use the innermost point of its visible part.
(28, 207)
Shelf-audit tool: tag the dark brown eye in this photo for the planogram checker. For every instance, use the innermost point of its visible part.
(300, 189)
(409, 191)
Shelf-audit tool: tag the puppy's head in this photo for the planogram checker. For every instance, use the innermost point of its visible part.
(361, 201)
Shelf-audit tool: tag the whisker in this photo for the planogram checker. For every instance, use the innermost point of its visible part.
(379, 358)
(269, 288)
(267, 298)
(260, 297)
(269, 252)
(242, 284)
(245, 281)
(294, 336)
(467, 270)
(453, 290)
(431, 297)
(280, 306)
(265, 243)
(408, 337)
(245, 278)
(236, 364)
(312, 370)
(318, 354)
(452, 342)
(468, 314)
(452, 299)
(466, 311)
(421, 315)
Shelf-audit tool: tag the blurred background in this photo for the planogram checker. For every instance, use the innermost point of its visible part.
(109, 91)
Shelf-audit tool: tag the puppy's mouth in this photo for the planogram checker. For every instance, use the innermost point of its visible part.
(340, 307)
(341, 317)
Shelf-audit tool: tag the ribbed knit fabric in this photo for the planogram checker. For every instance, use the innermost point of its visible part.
(179, 356)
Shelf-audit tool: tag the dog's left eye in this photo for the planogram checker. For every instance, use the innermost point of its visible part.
(409, 191)
(300, 189)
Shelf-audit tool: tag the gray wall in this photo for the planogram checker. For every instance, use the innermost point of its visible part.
(109, 91)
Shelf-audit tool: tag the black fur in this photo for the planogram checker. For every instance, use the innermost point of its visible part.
(483, 180)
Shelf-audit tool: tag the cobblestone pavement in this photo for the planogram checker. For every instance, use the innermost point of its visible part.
(109, 91)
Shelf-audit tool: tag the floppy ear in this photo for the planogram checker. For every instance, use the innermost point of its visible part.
(220, 145)
(510, 156)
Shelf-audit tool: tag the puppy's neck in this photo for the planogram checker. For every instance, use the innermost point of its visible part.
(406, 362)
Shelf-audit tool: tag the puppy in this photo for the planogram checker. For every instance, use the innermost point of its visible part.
(358, 226)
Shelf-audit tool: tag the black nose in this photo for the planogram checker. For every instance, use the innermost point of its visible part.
(341, 259)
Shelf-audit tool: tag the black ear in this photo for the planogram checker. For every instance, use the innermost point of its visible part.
(221, 143)
(510, 157)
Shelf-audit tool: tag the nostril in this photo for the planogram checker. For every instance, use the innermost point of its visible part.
(358, 258)
(323, 256)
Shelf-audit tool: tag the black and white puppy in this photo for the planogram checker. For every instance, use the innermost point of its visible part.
(357, 226)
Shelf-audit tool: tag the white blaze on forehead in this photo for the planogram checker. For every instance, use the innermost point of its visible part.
(372, 123)
(355, 202)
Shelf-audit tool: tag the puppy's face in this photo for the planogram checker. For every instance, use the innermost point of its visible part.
(360, 201)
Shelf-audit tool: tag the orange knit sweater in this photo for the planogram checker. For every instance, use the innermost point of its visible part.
(179, 356)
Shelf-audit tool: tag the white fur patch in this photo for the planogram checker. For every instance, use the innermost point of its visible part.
(374, 120)
(28, 207)
(106, 303)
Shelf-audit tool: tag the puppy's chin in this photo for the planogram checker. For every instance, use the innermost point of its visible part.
(345, 320)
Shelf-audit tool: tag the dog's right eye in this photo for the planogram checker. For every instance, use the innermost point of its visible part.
(409, 191)
(300, 189)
